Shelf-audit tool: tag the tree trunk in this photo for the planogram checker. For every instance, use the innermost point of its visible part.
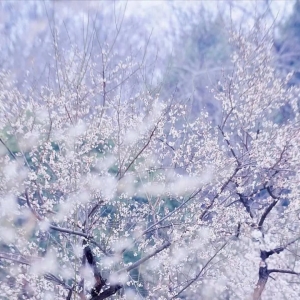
(263, 278)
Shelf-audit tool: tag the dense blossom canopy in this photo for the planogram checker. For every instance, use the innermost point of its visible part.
(108, 189)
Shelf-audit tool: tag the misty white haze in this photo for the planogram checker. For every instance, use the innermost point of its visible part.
(149, 150)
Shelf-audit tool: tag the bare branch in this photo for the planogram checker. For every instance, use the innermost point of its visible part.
(201, 271)
(271, 194)
(53, 227)
(244, 200)
(218, 194)
(269, 208)
(283, 271)
(107, 293)
(229, 145)
(265, 214)
(10, 152)
(114, 288)
(145, 258)
(16, 258)
(172, 212)
(139, 153)
(65, 230)
(26, 261)
(266, 254)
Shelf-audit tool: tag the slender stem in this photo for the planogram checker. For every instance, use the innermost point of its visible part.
(65, 230)
(199, 274)
(145, 258)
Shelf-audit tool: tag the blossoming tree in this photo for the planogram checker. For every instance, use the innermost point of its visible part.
(107, 190)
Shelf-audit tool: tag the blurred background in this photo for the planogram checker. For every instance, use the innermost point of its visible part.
(184, 43)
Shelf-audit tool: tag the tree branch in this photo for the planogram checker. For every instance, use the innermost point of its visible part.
(199, 274)
(271, 194)
(266, 254)
(265, 214)
(228, 143)
(219, 193)
(283, 271)
(65, 230)
(171, 213)
(269, 208)
(244, 200)
(107, 293)
(25, 261)
(100, 281)
(114, 288)
(145, 258)
(18, 258)
(53, 227)
(10, 152)
(139, 153)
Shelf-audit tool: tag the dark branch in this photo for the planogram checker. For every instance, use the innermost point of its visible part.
(229, 145)
(100, 281)
(245, 201)
(269, 208)
(69, 296)
(271, 194)
(107, 293)
(114, 288)
(238, 230)
(65, 230)
(266, 254)
(283, 271)
(10, 152)
(265, 214)
(139, 153)
(93, 210)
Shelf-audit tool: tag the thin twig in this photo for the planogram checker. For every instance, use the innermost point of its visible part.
(201, 271)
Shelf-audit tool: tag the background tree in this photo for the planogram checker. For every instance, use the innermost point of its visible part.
(287, 43)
